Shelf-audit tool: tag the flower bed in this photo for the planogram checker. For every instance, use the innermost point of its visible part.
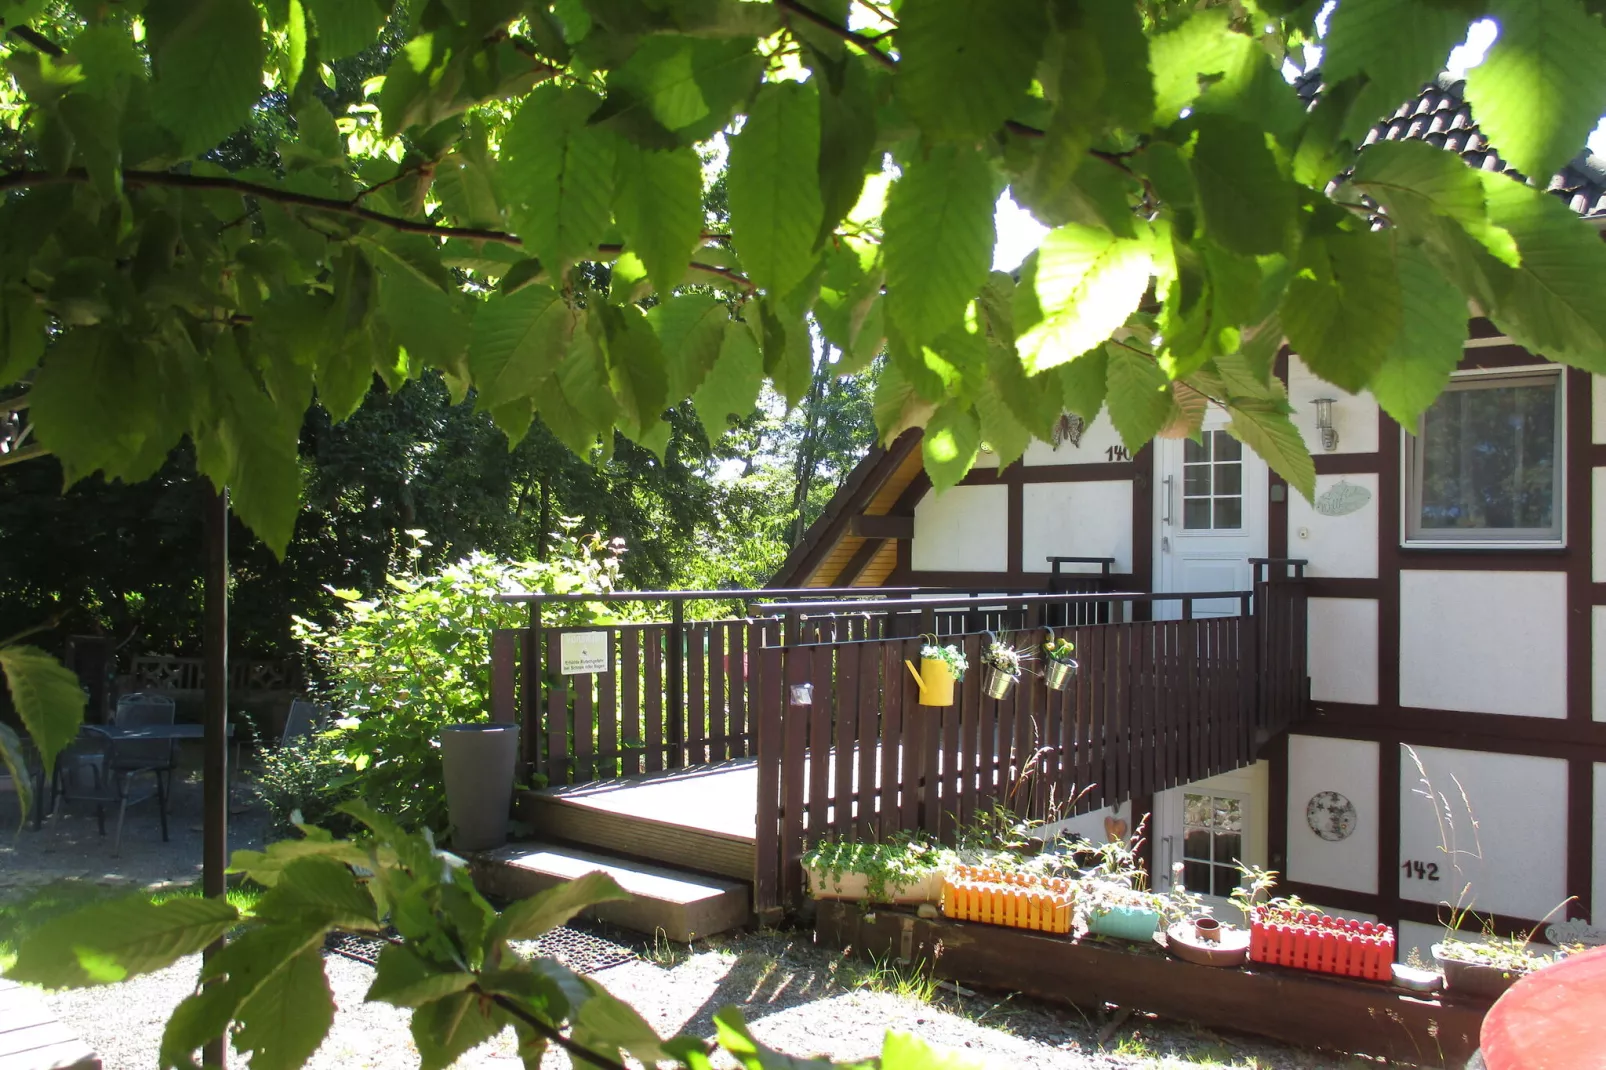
(1017, 900)
(1322, 943)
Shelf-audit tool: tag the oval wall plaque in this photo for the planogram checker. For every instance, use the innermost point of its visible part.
(1342, 498)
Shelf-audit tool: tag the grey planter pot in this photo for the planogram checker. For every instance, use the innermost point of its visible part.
(479, 761)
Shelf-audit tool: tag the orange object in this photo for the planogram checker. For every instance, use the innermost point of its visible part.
(979, 893)
(1324, 944)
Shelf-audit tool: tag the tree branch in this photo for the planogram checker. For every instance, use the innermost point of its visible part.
(328, 205)
(828, 24)
(38, 41)
(535, 1022)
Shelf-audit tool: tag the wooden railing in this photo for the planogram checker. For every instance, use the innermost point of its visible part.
(1156, 704)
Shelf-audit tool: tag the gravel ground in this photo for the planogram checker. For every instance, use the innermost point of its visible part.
(800, 999)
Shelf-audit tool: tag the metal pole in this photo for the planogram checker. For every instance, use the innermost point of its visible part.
(215, 820)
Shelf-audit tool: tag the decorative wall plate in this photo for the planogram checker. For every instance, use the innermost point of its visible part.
(1342, 498)
(1330, 815)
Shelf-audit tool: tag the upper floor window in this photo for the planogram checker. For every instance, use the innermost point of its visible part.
(1485, 465)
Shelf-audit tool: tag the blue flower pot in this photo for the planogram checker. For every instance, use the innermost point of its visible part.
(1127, 923)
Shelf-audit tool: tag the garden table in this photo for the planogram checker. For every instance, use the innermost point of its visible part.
(153, 733)
(1552, 1019)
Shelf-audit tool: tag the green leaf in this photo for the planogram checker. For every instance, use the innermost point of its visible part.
(1115, 34)
(964, 65)
(847, 139)
(1139, 396)
(1201, 46)
(788, 349)
(47, 697)
(1417, 183)
(737, 1039)
(1551, 304)
(288, 1015)
(319, 889)
(1539, 92)
(518, 341)
(97, 135)
(691, 330)
(1268, 431)
(207, 57)
(404, 979)
(900, 1051)
(1395, 45)
(774, 185)
(1248, 203)
(677, 90)
(1078, 287)
(949, 444)
(266, 866)
(1417, 367)
(15, 763)
(636, 366)
(1000, 430)
(345, 27)
(1084, 382)
(112, 941)
(939, 240)
(540, 913)
(295, 42)
(658, 198)
(1342, 309)
(733, 383)
(447, 1028)
(557, 173)
(607, 1024)
(898, 406)
(22, 333)
(422, 306)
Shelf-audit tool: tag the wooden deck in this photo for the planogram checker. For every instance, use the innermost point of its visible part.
(704, 818)
(32, 1039)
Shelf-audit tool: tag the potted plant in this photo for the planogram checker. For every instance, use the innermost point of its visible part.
(940, 668)
(1002, 663)
(1114, 909)
(1487, 968)
(1060, 667)
(900, 869)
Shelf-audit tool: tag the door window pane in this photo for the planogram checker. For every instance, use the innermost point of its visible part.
(1212, 483)
(1485, 464)
(1212, 842)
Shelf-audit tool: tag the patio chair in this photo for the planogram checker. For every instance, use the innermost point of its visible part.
(121, 763)
(136, 711)
(302, 720)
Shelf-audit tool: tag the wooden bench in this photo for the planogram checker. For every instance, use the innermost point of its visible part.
(32, 1039)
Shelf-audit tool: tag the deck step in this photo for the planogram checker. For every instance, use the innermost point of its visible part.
(685, 906)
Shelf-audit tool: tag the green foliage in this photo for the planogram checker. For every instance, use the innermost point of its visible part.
(455, 963)
(309, 776)
(399, 668)
(201, 281)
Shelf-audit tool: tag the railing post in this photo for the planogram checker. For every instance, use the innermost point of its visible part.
(676, 706)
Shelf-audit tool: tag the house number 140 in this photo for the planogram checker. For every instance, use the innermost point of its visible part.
(1421, 871)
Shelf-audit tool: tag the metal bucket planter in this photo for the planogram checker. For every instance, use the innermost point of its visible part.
(1059, 675)
(478, 761)
(995, 683)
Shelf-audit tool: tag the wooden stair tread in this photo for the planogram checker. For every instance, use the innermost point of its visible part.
(686, 906)
(720, 799)
(32, 1039)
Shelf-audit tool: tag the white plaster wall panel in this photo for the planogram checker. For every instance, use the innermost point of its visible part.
(1515, 860)
(1415, 936)
(1335, 545)
(1597, 522)
(1349, 767)
(1341, 649)
(964, 530)
(1098, 445)
(1597, 911)
(1598, 650)
(1092, 519)
(1453, 656)
(1354, 416)
(1597, 408)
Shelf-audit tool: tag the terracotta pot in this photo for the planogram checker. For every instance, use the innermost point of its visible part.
(1208, 930)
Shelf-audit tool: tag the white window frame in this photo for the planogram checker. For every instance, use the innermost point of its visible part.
(1487, 538)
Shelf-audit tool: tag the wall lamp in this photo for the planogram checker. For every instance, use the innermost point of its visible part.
(1324, 423)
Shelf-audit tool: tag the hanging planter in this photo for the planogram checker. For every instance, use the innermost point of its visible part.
(940, 668)
(1002, 663)
(1059, 668)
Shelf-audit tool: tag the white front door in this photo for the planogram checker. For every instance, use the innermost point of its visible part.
(1208, 827)
(1211, 507)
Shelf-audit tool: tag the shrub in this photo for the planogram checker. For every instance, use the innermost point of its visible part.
(399, 668)
(310, 774)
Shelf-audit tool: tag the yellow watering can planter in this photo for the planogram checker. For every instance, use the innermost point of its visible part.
(936, 681)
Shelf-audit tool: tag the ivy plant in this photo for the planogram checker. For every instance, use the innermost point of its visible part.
(451, 959)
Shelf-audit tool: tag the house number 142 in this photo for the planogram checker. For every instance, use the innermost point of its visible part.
(1428, 871)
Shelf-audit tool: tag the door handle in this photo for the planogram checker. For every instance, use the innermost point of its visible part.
(1165, 514)
(1169, 862)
